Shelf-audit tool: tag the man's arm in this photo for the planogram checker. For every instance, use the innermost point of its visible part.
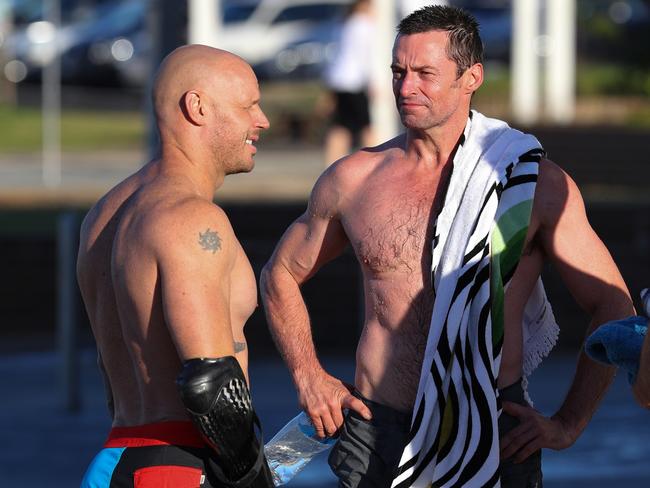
(195, 256)
(592, 278)
(195, 263)
(312, 240)
(641, 387)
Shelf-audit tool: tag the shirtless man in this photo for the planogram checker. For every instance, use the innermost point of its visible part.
(168, 289)
(383, 202)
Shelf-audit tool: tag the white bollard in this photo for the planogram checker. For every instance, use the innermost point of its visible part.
(560, 61)
(525, 73)
(51, 89)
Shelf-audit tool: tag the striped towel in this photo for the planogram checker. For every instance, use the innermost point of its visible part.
(478, 240)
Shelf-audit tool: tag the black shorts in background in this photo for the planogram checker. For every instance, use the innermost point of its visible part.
(351, 111)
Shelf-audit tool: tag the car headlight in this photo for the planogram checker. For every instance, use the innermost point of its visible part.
(15, 71)
(307, 53)
(287, 60)
(122, 49)
(41, 32)
(105, 52)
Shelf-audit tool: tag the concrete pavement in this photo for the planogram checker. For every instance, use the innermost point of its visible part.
(280, 174)
(287, 171)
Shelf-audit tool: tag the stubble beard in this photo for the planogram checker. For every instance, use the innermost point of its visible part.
(421, 123)
(427, 121)
(230, 156)
(234, 165)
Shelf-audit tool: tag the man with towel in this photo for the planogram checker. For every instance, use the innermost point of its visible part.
(451, 223)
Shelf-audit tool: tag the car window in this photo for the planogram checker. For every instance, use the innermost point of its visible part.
(28, 11)
(119, 18)
(237, 13)
(314, 12)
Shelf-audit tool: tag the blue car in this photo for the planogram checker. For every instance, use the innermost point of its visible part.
(87, 42)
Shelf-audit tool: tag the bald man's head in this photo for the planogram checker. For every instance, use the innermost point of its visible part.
(207, 104)
(196, 68)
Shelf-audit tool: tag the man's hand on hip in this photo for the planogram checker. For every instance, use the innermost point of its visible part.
(533, 433)
(324, 397)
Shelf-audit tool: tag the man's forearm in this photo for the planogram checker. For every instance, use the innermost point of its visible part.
(592, 379)
(289, 323)
(588, 388)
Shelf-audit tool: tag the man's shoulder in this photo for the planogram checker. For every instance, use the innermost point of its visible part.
(180, 221)
(552, 179)
(108, 208)
(359, 164)
(556, 191)
(350, 176)
(185, 211)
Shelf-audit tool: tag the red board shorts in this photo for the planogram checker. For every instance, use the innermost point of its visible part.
(161, 455)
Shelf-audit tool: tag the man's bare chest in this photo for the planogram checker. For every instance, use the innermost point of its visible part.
(392, 232)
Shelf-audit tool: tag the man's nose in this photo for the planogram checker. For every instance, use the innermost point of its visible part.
(408, 84)
(263, 123)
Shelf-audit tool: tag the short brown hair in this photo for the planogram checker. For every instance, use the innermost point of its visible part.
(465, 47)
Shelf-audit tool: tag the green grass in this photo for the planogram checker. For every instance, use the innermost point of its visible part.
(640, 118)
(612, 79)
(80, 130)
(284, 103)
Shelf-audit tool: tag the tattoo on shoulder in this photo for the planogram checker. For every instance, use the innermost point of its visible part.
(210, 240)
(240, 346)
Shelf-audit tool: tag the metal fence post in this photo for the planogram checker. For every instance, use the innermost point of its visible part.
(66, 322)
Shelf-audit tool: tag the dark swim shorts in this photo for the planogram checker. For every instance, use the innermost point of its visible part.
(166, 454)
(367, 452)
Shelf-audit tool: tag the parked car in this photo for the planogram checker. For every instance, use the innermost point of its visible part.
(107, 41)
(304, 58)
(272, 35)
(24, 12)
(87, 46)
(268, 26)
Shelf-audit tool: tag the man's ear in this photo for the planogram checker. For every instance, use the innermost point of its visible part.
(193, 107)
(473, 78)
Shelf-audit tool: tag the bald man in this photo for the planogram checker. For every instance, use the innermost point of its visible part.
(168, 289)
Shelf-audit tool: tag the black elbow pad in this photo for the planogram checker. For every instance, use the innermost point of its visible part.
(216, 396)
